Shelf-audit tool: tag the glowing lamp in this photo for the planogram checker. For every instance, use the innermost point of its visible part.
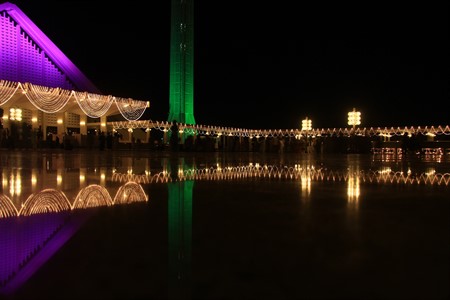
(306, 124)
(354, 118)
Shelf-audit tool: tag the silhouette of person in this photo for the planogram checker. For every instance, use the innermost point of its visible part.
(174, 136)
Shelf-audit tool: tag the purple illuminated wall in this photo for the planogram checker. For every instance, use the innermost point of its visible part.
(28, 55)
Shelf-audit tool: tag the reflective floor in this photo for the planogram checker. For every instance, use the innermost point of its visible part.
(153, 225)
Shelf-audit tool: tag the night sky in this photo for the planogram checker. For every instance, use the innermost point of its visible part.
(270, 65)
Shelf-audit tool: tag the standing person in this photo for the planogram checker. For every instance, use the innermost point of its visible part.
(174, 136)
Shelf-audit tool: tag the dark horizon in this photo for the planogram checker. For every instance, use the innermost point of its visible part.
(265, 66)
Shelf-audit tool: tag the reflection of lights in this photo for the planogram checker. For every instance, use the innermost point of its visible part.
(54, 201)
(15, 185)
(92, 196)
(103, 176)
(33, 180)
(353, 188)
(385, 170)
(82, 123)
(296, 172)
(82, 178)
(34, 120)
(305, 179)
(430, 172)
(59, 121)
(58, 179)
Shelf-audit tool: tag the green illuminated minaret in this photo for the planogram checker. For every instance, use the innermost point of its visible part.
(181, 98)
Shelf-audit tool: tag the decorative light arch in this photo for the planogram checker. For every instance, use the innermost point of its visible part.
(7, 90)
(7, 208)
(129, 193)
(46, 99)
(131, 109)
(93, 105)
(48, 200)
(92, 196)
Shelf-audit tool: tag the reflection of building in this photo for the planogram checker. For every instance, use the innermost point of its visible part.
(55, 201)
(44, 224)
(41, 87)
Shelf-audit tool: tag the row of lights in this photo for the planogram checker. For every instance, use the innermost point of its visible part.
(354, 118)
(15, 114)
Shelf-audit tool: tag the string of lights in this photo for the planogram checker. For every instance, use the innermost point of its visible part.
(55, 201)
(296, 172)
(52, 100)
(218, 131)
(7, 90)
(93, 105)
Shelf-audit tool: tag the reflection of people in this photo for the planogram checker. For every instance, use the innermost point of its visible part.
(174, 136)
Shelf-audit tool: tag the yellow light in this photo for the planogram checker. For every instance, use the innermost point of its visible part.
(103, 124)
(82, 123)
(306, 124)
(60, 121)
(34, 120)
(354, 118)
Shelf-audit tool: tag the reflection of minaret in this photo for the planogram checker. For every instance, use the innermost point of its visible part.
(181, 98)
(180, 235)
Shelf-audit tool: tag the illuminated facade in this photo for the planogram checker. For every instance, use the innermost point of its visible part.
(41, 87)
(181, 98)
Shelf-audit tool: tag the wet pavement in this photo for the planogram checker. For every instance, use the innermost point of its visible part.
(154, 225)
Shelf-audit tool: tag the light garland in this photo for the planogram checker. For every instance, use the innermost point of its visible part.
(93, 105)
(54, 201)
(92, 196)
(131, 109)
(7, 208)
(51, 100)
(129, 193)
(48, 200)
(217, 131)
(292, 173)
(7, 90)
(46, 99)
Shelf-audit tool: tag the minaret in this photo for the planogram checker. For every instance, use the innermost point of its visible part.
(181, 98)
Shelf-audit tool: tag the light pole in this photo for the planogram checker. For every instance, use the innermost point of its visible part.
(354, 118)
(306, 126)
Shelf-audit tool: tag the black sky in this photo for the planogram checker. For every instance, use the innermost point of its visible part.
(266, 65)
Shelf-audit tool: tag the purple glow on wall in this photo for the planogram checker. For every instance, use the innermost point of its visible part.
(28, 55)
